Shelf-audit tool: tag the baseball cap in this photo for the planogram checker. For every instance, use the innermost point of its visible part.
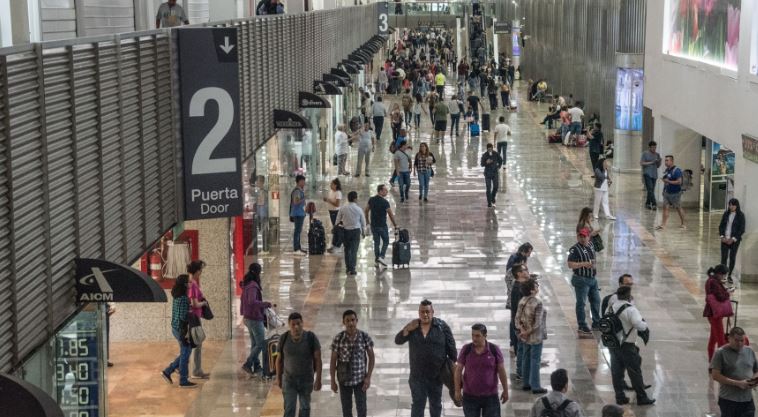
(584, 232)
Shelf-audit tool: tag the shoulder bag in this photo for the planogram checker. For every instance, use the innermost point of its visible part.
(207, 312)
(344, 369)
(597, 243)
(719, 309)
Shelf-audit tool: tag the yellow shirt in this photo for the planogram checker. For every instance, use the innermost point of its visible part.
(439, 79)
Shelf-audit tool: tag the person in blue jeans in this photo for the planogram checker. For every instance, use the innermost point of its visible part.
(376, 211)
(403, 168)
(423, 165)
(297, 212)
(581, 260)
(179, 309)
(530, 322)
(253, 310)
(298, 367)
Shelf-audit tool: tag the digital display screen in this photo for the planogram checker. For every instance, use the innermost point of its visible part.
(77, 369)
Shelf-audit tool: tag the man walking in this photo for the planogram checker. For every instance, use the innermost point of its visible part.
(735, 368)
(650, 161)
(440, 119)
(379, 209)
(351, 365)
(439, 83)
(581, 260)
(483, 364)
(430, 343)
(556, 399)
(454, 106)
(627, 357)
(379, 112)
(502, 131)
(366, 145)
(354, 223)
(672, 192)
(491, 162)
(297, 212)
(298, 360)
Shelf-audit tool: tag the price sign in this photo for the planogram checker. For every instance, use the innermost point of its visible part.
(210, 122)
(77, 368)
(384, 18)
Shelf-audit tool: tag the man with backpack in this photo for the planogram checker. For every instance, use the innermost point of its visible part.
(298, 360)
(625, 321)
(484, 365)
(555, 403)
(673, 181)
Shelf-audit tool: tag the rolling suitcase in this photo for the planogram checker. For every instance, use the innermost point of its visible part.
(474, 129)
(270, 355)
(730, 324)
(316, 238)
(401, 249)
(485, 122)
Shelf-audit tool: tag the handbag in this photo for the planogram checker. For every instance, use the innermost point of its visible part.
(597, 243)
(207, 312)
(719, 309)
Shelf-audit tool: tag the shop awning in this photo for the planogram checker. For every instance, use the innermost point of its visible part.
(351, 66)
(312, 101)
(340, 73)
(326, 88)
(20, 398)
(336, 80)
(103, 281)
(284, 119)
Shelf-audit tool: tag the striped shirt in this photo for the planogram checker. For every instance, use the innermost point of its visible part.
(581, 253)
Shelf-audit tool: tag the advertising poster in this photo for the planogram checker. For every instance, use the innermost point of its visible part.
(629, 85)
(703, 30)
(722, 161)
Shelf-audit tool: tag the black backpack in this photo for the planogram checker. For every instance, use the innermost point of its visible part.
(610, 324)
(558, 412)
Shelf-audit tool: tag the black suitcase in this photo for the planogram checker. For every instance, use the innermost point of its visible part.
(316, 238)
(269, 356)
(401, 249)
(485, 122)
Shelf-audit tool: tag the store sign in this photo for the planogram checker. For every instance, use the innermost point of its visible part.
(78, 367)
(325, 88)
(383, 18)
(312, 101)
(750, 148)
(502, 27)
(284, 119)
(103, 281)
(210, 122)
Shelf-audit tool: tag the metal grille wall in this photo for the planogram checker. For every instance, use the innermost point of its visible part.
(90, 152)
(573, 45)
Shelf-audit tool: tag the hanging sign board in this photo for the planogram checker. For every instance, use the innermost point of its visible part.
(502, 27)
(750, 148)
(383, 18)
(284, 119)
(102, 281)
(312, 101)
(210, 122)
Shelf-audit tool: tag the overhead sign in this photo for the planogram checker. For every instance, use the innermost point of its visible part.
(284, 119)
(102, 281)
(312, 101)
(502, 27)
(750, 148)
(326, 88)
(383, 18)
(210, 122)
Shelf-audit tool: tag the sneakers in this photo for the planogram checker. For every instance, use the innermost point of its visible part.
(611, 218)
(167, 377)
(248, 371)
(646, 401)
(382, 261)
(539, 391)
(330, 249)
(622, 401)
(425, 200)
(201, 375)
(188, 385)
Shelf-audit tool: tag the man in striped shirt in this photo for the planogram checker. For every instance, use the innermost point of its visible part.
(581, 260)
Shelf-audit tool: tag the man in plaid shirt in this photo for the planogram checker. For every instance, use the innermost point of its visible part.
(352, 364)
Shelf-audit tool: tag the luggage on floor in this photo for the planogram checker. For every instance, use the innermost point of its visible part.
(403, 236)
(486, 122)
(271, 352)
(316, 238)
(581, 140)
(401, 253)
(554, 138)
(474, 129)
(732, 322)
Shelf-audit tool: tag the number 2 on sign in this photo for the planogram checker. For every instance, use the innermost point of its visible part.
(202, 163)
(383, 24)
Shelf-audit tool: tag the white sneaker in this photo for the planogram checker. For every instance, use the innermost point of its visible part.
(611, 217)
(382, 261)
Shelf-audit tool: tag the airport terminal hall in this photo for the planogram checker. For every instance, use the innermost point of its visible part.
(362, 208)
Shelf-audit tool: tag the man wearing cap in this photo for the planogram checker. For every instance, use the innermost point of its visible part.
(581, 260)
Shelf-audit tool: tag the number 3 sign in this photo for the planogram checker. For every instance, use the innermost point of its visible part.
(210, 122)
(384, 24)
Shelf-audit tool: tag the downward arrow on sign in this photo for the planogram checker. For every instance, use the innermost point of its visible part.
(226, 47)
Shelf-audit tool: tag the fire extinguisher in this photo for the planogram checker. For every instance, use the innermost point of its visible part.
(155, 264)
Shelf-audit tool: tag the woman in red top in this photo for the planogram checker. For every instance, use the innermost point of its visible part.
(714, 286)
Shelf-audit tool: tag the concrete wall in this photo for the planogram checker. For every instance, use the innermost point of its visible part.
(716, 103)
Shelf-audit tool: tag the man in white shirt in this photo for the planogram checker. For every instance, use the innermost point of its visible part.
(502, 131)
(577, 114)
(454, 107)
(379, 112)
(341, 149)
(354, 222)
(627, 357)
(169, 15)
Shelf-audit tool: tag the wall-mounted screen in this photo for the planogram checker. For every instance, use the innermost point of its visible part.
(629, 83)
(703, 30)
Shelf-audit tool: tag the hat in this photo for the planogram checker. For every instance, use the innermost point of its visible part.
(584, 232)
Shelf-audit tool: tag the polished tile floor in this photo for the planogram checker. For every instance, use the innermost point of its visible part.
(459, 252)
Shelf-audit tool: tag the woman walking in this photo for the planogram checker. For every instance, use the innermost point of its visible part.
(253, 310)
(423, 165)
(179, 310)
(418, 107)
(197, 302)
(730, 230)
(602, 181)
(333, 201)
(717, 306)
(531, 318)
